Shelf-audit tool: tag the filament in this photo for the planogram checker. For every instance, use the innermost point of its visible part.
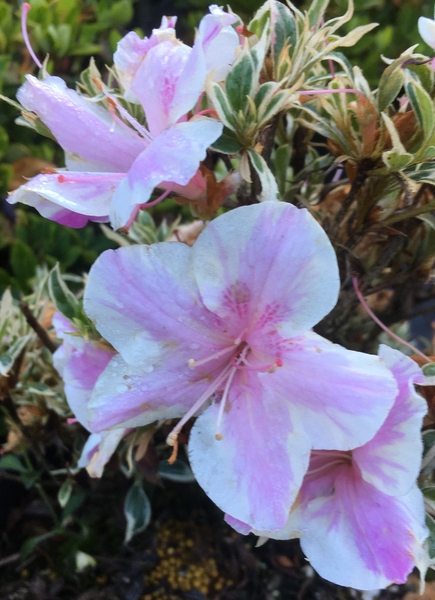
(172, 437)
(197, 363)
(381, 325)
(24, 12)
(222, 404)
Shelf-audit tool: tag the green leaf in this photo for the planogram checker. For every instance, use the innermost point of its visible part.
(429, 492)
(428, 441)
(178, 471)
(64, 493)
(316, 11)
(23, 262)
(428, 369)
(269, 187)
(423, 107)
(74, 502)
(285, 28)
(31, 543)
(397, 161)
(64, 301)
(430, 542)
(227, 143)
(11, 462)
(241, 82)
(390, 83)
(222, 105)
(137, 511)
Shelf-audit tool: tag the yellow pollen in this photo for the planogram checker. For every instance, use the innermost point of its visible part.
(191, 363)
(219, 437)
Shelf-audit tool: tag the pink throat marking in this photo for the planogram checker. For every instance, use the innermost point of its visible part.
(25, 9)
(236, 361)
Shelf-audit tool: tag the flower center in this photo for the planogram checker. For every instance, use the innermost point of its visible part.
(235, 361)
(328, 459)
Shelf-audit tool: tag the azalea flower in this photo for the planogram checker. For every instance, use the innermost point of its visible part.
(360, 514)
(223, 329)
(114, 162)
(80, 363)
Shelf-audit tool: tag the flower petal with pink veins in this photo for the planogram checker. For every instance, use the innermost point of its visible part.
(172, 157)
(219, 41)
(87, 195)
(80, 375)
(341, 397)
(156, 80)
(145, 302)
(127, 396)
(80, 126)
(361, 538)
(391, 460)
(131, 51)
(254, 472)
(270, 266)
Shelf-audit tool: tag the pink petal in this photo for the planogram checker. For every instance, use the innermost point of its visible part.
(190, 84)
(81, 197)
(80, 126)
(80, 374)
(173, 156)
(98, 451)
(131, 51)
(127, 396)
(267, 266)
(360, 537)
(255, 471)
(156, 80)
(340, 397)
(391, 460)
(145, 302)
(219, 41)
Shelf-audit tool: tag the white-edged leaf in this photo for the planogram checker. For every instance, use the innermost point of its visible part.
(137, 511)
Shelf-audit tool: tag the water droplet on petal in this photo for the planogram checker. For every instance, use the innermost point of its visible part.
(121, 388)
(149, 369)
(194, 346)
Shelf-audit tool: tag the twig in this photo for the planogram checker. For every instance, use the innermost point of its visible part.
(10, 559)
(358, 182)
(37, 328)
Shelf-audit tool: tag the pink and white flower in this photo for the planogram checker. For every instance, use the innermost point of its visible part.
(360, 514)
(80, 363)
(114, 162)
(223, 329)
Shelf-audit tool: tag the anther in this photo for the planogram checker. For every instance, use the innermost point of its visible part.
(61, 178)
(219, 437)
(191, 363)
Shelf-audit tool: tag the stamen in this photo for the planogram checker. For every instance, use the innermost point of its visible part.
(251, 367)
(222, 404)
(25, 9)
(192, 363)
(159, 199)
(171, 440)
(381, 325)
